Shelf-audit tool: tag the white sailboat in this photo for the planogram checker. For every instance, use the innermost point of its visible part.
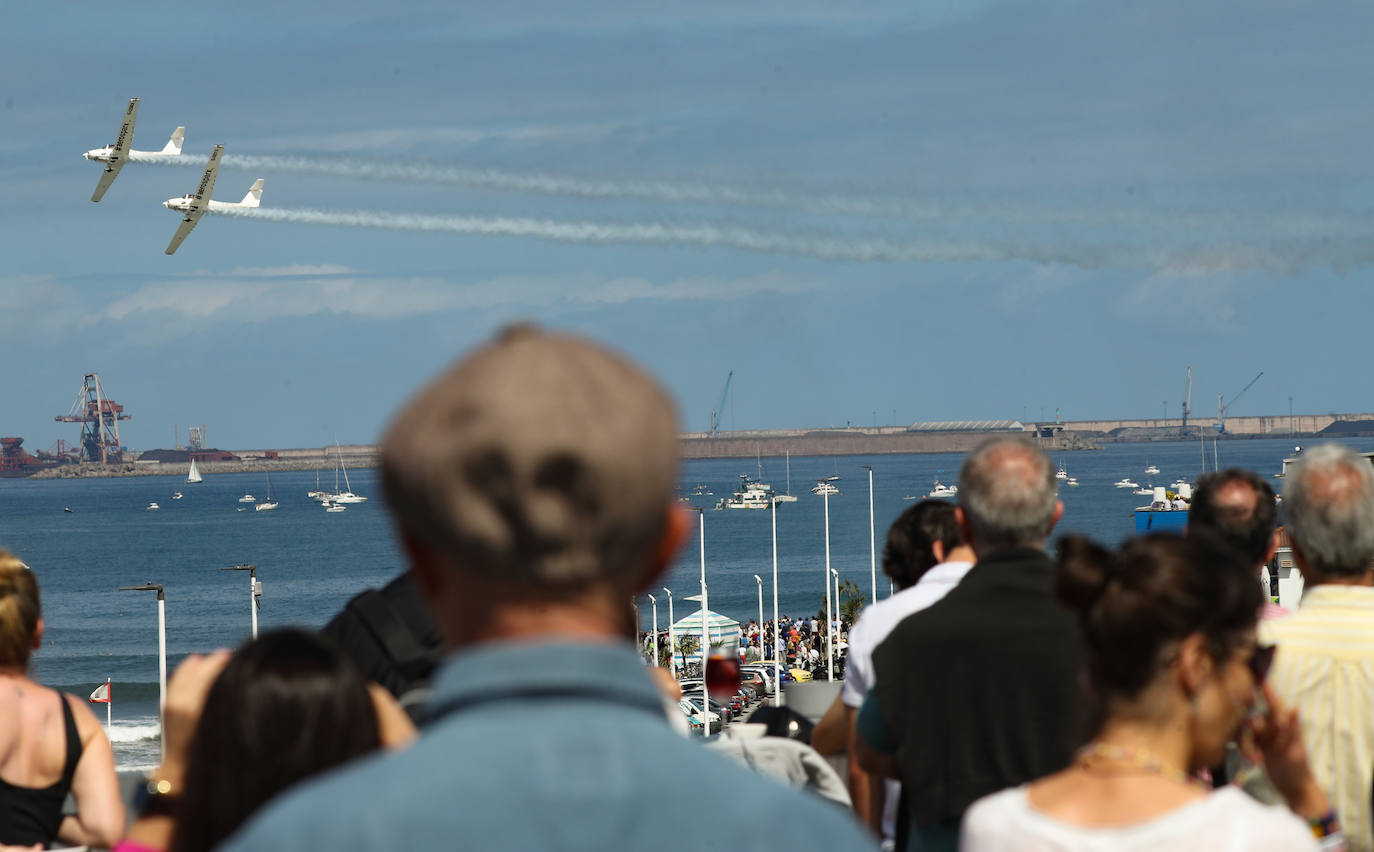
(789, 497)
(193, 475)
(271, 502)
(347, 495)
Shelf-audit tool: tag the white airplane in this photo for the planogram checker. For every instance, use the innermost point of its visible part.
(194, 206)
(117, 153)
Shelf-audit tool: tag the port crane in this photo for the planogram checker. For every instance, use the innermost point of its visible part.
(720, 406)
(1187, 398)
(99, 417)
(1222, 409)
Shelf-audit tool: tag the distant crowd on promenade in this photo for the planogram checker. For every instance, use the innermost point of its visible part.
(803, 643)
(1146, 697)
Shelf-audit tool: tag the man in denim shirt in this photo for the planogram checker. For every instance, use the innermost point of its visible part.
(532, 486)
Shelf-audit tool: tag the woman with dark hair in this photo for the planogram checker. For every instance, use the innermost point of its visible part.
(50, 743)
(1168, 625)
(241, 729)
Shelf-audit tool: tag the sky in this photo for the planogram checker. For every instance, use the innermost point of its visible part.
(870, 213)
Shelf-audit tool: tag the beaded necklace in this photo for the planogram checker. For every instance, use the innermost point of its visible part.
(1105, 755)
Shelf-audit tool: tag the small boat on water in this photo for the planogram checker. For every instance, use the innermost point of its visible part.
(176, 495)
(248, 498)
(941, 490)
(1147, 491)
(826, 487)
(193, 475)
(152, 507)
(751, 495)
(909, 497)
(1127, 483)
(271, 502)
(1151, 470)
(1061, 473)
(67, 509)
(1073, 482)
(331, 506)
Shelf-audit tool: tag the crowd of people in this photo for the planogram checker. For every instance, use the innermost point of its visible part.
(1147, 697)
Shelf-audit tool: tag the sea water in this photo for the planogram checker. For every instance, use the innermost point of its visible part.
(311, 562)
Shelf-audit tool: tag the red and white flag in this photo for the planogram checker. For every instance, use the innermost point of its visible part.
(101, 694)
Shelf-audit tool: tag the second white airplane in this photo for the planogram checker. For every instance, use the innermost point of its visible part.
(194, 206)
(117, 153)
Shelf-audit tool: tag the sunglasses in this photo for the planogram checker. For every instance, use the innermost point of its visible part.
(1260, 661)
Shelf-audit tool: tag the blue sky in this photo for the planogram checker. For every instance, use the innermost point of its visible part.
(971, 210)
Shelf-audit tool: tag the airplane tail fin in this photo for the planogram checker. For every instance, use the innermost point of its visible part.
(254, 196)
(173, 145)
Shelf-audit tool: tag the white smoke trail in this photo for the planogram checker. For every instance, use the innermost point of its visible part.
(858, 249)
(1276, 223)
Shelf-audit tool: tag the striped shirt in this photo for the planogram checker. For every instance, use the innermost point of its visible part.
(1325, 668)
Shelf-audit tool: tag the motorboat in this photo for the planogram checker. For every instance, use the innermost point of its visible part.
(331, 506)
(1073, 482)
(248, 498)
(942, 490)
(1127, 483)
(752, 494)
(152, 507)
(176, 495)
(909, 497)
(1151, 470)
(826, 487)
(1178, 485)
(1147, 491)
(348, 497)
(1061, 473)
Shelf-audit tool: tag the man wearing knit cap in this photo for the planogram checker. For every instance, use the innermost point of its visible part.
(532, 488)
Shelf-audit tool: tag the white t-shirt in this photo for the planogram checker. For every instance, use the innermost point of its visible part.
(874, 623)
(1225, 821)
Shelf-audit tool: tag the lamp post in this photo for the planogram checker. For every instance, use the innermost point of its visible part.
(777, 636)
(254, 591)
(161, 649)
(834, 626)
(825, 492)
(705, 627)
(872, 541)
(672, 645)
(654, 601)
(759, 581)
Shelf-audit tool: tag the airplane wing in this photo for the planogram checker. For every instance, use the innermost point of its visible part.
(126, 131)
(207, 182)
(106, 178)
(121, 150)
(184, 230)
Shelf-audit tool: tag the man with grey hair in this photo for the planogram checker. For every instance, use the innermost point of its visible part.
(532, 488)
(981, 691)
(1325, 661)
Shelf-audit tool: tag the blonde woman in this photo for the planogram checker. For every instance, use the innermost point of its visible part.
(50, 743)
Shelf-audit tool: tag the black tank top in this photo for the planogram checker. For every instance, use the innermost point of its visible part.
(29, 816)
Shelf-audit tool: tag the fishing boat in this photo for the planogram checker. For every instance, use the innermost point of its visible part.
(193, 475)
(271, 502)
(751, 495)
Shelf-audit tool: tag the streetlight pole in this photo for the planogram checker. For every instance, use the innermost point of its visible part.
(654, 601)
(777, 636)
(705, 627)
(828, 639)
(872, 541)
(672, 646)
(759, 581)
(161, 653)
(254, 591)
(833, 626)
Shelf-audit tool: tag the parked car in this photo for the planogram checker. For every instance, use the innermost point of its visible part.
(693, 712)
